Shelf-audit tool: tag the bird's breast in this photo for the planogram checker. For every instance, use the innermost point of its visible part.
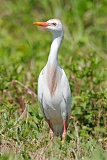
(53, 79)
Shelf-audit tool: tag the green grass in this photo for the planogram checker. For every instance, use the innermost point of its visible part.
(24, 51)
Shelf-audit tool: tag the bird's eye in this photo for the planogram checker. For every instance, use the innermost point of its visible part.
(54, 24)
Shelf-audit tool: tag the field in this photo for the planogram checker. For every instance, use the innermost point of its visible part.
(24, 50)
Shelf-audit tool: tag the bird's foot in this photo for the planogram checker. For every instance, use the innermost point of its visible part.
(63, 136)
(64, 131)
(51, 130)
(51, 134)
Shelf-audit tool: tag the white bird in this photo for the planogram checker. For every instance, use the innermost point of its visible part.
(54, 93)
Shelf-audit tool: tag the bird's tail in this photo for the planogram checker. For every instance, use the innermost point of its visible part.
(57, 129)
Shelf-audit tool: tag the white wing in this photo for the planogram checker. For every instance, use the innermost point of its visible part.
(40, 86)
(40, 91)
(66, 94)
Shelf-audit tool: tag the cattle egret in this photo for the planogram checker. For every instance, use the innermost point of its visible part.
(54, 94)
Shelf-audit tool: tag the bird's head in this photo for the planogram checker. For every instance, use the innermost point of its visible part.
(54, 25)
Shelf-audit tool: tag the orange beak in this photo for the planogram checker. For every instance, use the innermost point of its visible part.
(43, 24)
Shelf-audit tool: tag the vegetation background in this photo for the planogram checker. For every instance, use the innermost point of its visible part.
(24, 50)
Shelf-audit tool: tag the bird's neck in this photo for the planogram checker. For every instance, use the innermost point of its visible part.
(53, 56)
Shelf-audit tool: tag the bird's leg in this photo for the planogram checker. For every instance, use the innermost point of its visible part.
(51, 131)
(65, 130)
